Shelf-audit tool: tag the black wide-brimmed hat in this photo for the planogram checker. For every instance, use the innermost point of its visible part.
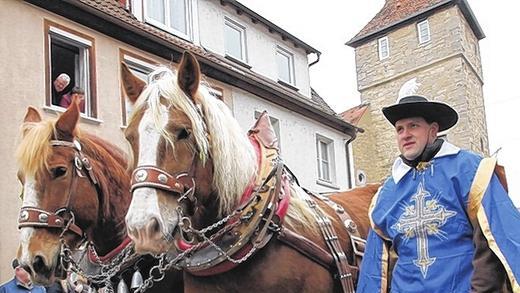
(418, 106)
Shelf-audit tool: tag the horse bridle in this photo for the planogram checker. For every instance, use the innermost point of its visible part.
(180, 183)
(37, 217)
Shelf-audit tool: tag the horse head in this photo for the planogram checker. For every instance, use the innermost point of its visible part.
(190, 156)
(66, 188)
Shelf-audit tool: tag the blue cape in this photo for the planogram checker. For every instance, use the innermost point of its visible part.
(429, 224)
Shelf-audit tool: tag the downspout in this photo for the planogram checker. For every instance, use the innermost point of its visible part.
(317, 59)
(347, 154)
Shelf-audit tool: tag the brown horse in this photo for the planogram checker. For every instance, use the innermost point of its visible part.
(75, 191)
(193, 167)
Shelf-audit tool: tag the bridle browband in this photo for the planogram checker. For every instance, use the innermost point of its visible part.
(37, 217)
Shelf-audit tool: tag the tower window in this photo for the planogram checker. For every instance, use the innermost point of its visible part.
(423, 30)
(384, 48)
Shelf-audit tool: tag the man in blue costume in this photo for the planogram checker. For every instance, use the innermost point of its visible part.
(443, 213)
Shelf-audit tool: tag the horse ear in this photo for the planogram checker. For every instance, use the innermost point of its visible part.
(66, 123)
(132, 84)
(32, 115)
(189, 74)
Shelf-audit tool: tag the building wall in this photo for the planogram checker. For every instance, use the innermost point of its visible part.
(448, 69)
(297, 141)
(261, 44)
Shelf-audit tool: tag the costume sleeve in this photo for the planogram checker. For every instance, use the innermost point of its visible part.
(499, 220)
(489, 274)
(373, 277)
(491, 210)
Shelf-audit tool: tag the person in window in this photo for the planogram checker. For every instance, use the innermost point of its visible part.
(59, 87)
(21, 282)
(67, 98)
(443, 212)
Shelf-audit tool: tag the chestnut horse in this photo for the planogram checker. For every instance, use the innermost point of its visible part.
(75, 191)
(194, 173)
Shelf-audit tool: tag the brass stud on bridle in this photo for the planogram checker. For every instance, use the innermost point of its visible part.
(162, 178)
(141, 175)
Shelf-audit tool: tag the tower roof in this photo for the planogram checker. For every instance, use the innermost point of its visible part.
(396, 13)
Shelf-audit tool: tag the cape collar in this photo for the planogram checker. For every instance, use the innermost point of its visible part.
(399, 169)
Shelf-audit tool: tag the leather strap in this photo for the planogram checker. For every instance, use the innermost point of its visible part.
(306, 247)
(345, 271)
(35, 217)
(358, 243)
(150, 176)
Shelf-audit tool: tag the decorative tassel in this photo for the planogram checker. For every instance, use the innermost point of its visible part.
(122, 287)
(137, 280)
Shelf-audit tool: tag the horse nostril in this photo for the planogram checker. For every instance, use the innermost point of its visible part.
(39, 264)
(153, 226)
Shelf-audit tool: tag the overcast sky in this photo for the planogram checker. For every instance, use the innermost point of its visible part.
(327, 25)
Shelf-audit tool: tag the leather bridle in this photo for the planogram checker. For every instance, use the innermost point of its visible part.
(63, 218)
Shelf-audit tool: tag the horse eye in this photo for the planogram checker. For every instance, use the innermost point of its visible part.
(183, 134)
(58, 172)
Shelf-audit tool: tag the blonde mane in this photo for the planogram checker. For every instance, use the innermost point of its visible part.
(34, 149)
(234, 158)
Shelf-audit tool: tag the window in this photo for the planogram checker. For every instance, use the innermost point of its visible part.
(141, 68)
(384, 48)
(235, 40)
(69, 53)
(325, 158)
(285, 64)
(423, 30)
(276, 127)
(170, 15)
(217, 92)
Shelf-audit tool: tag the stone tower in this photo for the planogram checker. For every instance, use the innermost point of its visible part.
(435, 41)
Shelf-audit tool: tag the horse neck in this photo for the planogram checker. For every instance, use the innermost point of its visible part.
(114, 190)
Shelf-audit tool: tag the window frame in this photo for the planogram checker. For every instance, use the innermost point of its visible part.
(188, 35)
(233, 24)
(427, 37)
(83, 42)
(329, 143)
(290, 56)
(132, 59)
(380, 47)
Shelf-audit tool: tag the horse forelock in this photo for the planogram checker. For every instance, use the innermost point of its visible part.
(233, 157)
(34, 149)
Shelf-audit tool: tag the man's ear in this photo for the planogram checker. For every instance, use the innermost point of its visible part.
(435, 129)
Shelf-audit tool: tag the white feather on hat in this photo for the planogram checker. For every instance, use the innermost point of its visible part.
(409, 88)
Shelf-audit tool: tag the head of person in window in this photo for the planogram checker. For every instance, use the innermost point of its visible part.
(78, 92)
(59, 87)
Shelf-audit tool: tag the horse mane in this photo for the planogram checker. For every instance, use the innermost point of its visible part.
(234, 159)
(34, 149)
(108, 161)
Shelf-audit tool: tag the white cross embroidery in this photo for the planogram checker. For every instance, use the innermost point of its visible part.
(420, 220)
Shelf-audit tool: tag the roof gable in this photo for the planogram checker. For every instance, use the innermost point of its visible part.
(399, 12)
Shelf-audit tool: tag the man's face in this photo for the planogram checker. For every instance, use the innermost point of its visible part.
(413, 134)
(60, 84)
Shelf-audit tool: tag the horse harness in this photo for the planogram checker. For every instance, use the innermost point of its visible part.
(98, 270)
(36, 217)
(259, 216)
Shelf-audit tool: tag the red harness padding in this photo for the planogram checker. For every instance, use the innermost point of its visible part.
(281, 211)
(95, 258)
